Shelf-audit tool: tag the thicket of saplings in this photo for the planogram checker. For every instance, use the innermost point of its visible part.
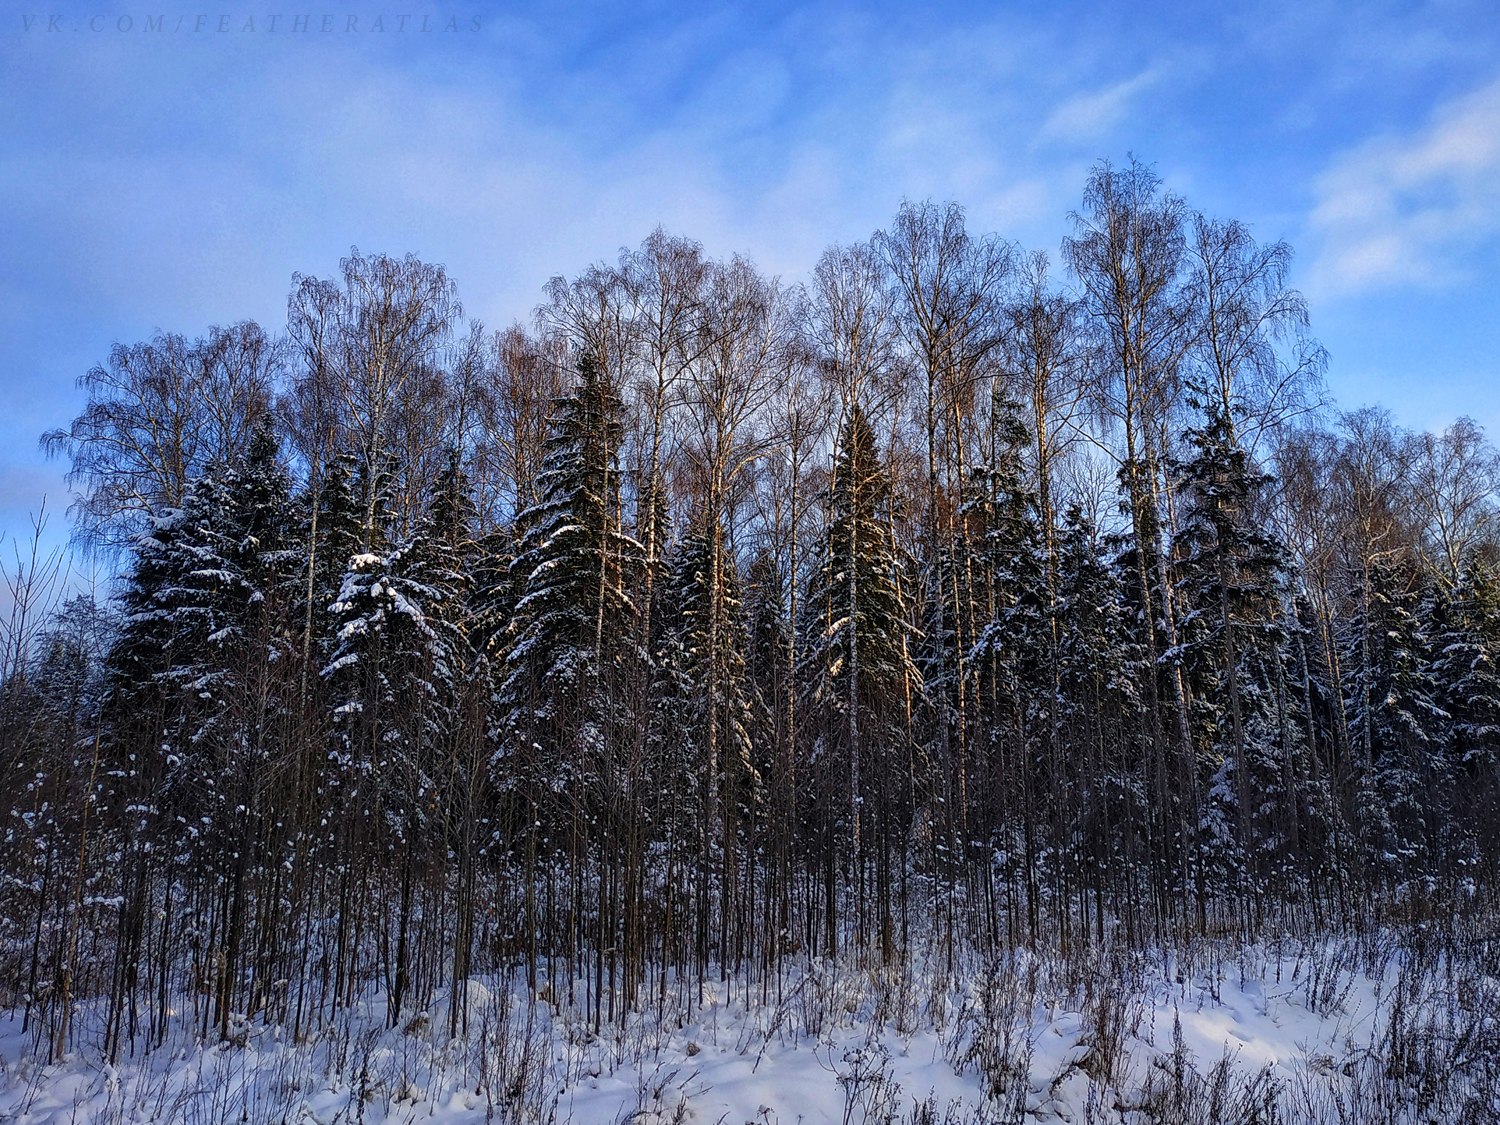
(1430, 1053)
(718, 625)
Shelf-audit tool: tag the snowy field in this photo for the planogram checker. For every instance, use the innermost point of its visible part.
(1333, 1032)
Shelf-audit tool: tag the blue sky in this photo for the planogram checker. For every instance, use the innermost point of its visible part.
(177, 179)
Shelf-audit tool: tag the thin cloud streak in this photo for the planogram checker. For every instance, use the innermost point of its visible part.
(1412, 210)
(1092, 115)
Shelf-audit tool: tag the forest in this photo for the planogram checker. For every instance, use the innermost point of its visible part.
(707, 624)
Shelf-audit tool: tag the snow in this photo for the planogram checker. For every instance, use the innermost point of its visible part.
(724, 1072)
(841, 1045)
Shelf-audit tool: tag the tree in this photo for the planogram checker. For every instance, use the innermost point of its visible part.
(1045, 357)
(1127, 253)
(716, 626)
(1454, 478)
(1101, 710)
(371, 382)
(397, 677)
(718, 717)
(665, 280)
(1395, 714)
(196, 668)
(855, 668)
(1015, 659)
(1228, 574)
(1467, 674)
(159, 414)
(1247, 317)
(949, 288)
(573, 559)
(562, 725)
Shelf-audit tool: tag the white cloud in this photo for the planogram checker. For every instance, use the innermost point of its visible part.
(1087, 116)
(1410, 210)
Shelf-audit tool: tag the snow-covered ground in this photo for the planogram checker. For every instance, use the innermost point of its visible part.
(1306, 1033)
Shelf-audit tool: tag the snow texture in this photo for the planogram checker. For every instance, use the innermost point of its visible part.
(840, 1045)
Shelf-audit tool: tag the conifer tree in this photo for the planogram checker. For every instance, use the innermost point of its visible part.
(566, 736)
(1227, 573)
(768, 663)
(768, 653)
(338, 534)
(1102, 714)
(572, 577)
(180, 611)
(1013, 659)
(199, 658)
(398, 675)
(721, 710)
(855, 668)
(1467, 674)
(734, 711)
(1395, 718)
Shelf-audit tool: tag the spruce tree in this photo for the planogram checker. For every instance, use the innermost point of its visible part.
(1396, 719)
(1014, 662)
(1102, 717)
(734, 710)
(565, 733)
(855, 669)
(1228, 575)
(338, 534)
(197, 667)
(767, 665)
(1467, 674)
(182, 610)
(572, 577)
(398, 678)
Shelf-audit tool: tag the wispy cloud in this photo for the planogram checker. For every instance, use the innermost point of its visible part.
(1412, 210)
(1092, 114)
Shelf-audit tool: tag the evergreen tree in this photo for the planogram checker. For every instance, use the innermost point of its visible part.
(855, 667)
(1467, 674)
(573, 572)
(734, 709)
(1014, 663)
(1396, 720)
(1228, 576)
(1468, 664)
(399, 676)
(1102, 713)
(397, 667)
(767, 661)
(197, 667)
(200, 619)
(338, 531)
